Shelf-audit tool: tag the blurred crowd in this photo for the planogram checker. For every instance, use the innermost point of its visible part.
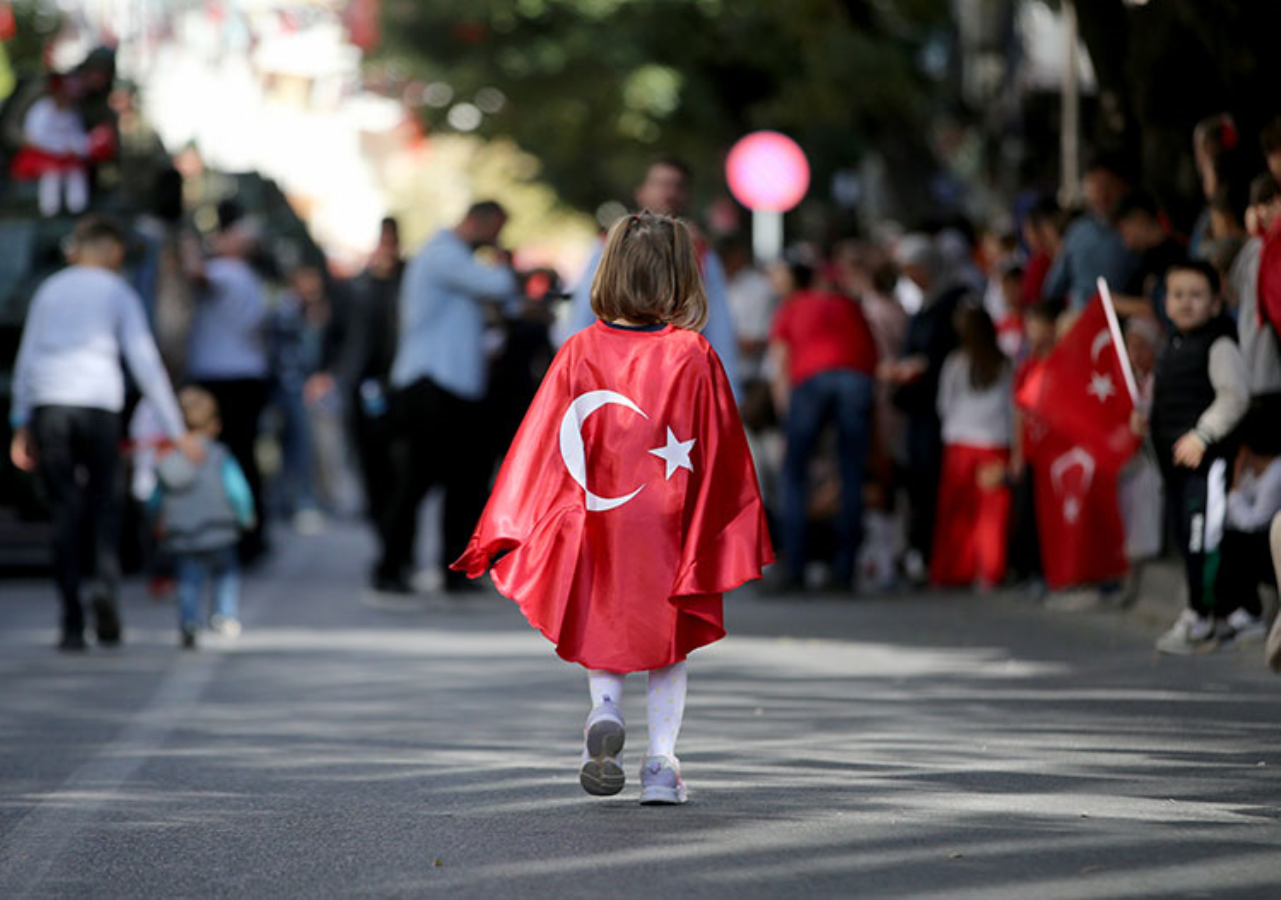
(897, 385)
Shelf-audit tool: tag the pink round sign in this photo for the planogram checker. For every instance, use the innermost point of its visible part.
(767, 172)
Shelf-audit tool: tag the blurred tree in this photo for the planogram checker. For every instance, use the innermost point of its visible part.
(1163, 66)
(595, 87)
(36, 22)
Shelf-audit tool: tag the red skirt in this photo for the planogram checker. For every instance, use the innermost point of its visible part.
(971, 527)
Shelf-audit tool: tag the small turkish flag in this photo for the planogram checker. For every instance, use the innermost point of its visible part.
(1080, 391)
(1078, 515)
(627, 503)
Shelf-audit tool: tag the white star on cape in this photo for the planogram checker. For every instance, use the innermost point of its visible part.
(1101, 386)
(675, 453)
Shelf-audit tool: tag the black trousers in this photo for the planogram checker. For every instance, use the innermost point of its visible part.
(78, 459)
(1025, 542)
(924, 464)
(240, 405)
(1245, 563)
(443, 441)
(373, 437)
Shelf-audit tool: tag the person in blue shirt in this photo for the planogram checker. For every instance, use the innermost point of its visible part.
(439, 380)
(1092, 246)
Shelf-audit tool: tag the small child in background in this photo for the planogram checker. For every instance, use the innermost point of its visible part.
(1199, 398)
(1039, 323)
(1246, 561)
(975, 403)
(202, 509)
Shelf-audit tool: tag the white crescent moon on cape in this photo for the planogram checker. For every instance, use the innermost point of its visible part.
(1100, 340)
(571, 443)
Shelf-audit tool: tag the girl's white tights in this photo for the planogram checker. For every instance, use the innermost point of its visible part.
(665, 702)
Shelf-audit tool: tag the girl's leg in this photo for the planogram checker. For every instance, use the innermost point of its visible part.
(49, 190)
(190, 573)
(604, 735)
(660, 776)
(226, 593)
(605, 687)
(665, 698)
(992, 527)
(77, 191)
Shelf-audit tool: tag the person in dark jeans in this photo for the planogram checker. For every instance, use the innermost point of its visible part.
(68, 393)
(824, 349)
(931, 336)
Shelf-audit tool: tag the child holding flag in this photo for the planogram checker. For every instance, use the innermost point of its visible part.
(1201, 393)
(628, 502)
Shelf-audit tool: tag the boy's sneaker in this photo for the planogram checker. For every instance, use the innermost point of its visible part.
(188, 638)
(226, 626)
(1273, 649)
(603, 736)
(1245, 628)
(1191, 633)
(661, 783)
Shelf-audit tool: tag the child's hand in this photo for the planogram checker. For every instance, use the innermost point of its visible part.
(1189, 450)
(1139, 423)
(990, 476)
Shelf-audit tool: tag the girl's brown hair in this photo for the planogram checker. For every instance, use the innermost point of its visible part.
(978, 340)
(648, 274)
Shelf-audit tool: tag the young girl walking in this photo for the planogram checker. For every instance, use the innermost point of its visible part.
(628, 502)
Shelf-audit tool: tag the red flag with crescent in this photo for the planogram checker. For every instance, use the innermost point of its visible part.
(1078, 515)
(1078, 410)
(1080, 392)
(628, 502)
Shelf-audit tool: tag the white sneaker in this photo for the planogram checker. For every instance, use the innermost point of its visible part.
(1245, 628)
(309, 522)
(1191, 633)
(603, 736)
(1074, 600)
(661, 783)
(225, 626)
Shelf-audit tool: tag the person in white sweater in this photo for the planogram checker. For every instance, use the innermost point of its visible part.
(68, 394)
(975, 404)
(1245, 560)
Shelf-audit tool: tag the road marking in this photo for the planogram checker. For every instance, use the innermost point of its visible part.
(43, 835)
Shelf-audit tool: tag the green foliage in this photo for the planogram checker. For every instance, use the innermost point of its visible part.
(38, 21)
(593, 88)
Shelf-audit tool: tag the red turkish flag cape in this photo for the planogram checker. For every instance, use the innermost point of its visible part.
(1080, 393)
(1078, 516)
(628, 502)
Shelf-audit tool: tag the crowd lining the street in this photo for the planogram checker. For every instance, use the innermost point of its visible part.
(881, 379)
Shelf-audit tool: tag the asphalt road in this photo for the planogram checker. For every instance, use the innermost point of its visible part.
(946, 746)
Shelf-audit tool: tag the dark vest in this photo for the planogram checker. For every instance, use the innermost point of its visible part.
(1183, 390)
(198, 517)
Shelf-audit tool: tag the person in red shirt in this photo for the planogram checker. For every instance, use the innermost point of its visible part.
(1043, 234)
(1040, 322)
(825, 360)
